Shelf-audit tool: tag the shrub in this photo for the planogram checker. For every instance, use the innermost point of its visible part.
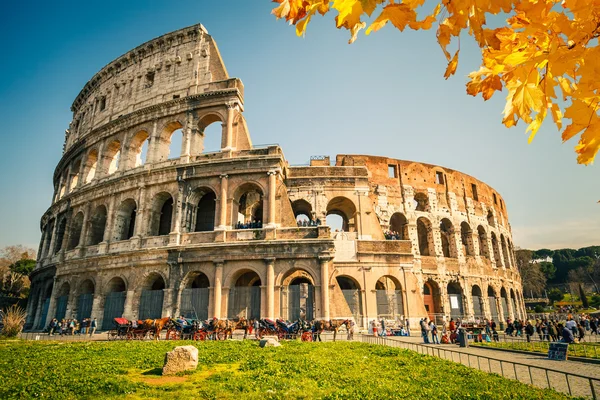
(13, 319)
(539, 309)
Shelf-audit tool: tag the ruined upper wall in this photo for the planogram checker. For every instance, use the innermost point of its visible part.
(174, 65)
(395, 174)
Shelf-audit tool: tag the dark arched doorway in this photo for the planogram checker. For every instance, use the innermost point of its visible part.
(244, 297)
(353, 296)
(114, 303)
(194, 298)
(432, 299)
(477, 302)
(456, 300)
(388, 293)
(151, 299)
(85, 300)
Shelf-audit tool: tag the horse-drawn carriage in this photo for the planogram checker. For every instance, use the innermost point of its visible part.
(125, 329)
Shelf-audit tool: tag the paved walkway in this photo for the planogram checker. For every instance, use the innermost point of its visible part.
(543, 372)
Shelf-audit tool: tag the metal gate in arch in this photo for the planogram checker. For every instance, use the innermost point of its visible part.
(354, 301)
(61, 307)
(244, 301)
(45, 306)
(194, 303)
(300, 302)
(114, 305)
(84, 306)
(151, 304)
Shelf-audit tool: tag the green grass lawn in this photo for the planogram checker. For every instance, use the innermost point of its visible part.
(589, 350)
(242, 370)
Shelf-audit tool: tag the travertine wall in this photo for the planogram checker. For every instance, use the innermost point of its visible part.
(132, 229)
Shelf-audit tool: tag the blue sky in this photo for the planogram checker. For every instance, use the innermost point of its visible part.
(383, 95)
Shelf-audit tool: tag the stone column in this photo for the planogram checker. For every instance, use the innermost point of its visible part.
(324, 260)
(38, 310)
(140, 220)
(97, 312)
(223, 204)
(69, 177)
(272, 190)
(53, 238)
(153, 144)
(100, 172)
(82, 164)
(218, 283)
(167, 309)
(128, 306)
(187, 140)
(229, 128)
(270, 262)
(175, 235)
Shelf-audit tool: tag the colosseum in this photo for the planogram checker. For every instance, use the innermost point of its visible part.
(140, 229)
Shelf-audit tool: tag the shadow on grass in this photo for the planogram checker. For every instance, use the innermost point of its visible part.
(154, 372)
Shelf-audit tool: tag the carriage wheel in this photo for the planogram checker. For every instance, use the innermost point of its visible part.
(222, 335)
(171, 335)
(200, 335)
(280, 335)
(307, 337)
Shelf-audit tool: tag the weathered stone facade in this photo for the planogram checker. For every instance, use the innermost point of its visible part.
(161, 236)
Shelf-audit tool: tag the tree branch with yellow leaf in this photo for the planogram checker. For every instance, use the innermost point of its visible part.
(545, 45)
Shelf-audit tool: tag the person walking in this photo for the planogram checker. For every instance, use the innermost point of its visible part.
(256, 326)
(529, 331)
(434, 333)
(383, 333)
(93, 326)
(424, 328)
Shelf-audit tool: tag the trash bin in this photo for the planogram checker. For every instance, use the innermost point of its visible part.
(463, 341)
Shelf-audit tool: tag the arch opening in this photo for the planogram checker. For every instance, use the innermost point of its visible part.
(298, 297)
(398, 227)
(245, 297)
(447, 238)
(114, 302)
(90, 166)
(75, 233)
(477, 302)
(456, 300)
(353, 296)
(483, 242)
(60, 234)
(195, 297)
(249, 205)
(175, 144)
(97, 226)
(344, 211)
(466, 235)
(496, 250)
(152, 296)
(388, 293)
(62, 300)
(492, 303)
(205, 213)
(505, 252)
(161, 215)
(85, 300)
(113, 157)
(211, 133)
(124, 227)
(432, 299)
(425, 237)
(303, 212)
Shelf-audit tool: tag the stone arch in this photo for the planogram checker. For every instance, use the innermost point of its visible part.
(205, 128)
(134, 156)
(201, 210)
(76, 167)
(111, 157)
(48, 237)
(298, 295)
(432, 298)
(425, 237)
(456, 298)
(491, 292)
(447, 238)
(62, 300)
(85, 298)
(248, 204)
(75, 231)
(421, 202)
(505, 251)
(466, 235)
(399, 225)
(60, 233)
(483, 242)
(478, 305)
(162, 144)
(513, 301)
(344, 208)
(388, 293)
(114, 301)
(161, 215)
(352, 293)
(496, 250)
(302, 211)
(97, 225)
(152, 295)
(490, 218)
(195, 295)
(245, 295)
(91, 164)
(504, 302)
(124, 225)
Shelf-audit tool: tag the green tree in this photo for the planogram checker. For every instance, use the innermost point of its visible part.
(542, 254)
(548, 269)
(555, 295)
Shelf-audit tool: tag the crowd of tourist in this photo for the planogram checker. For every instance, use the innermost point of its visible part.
(309, 222)
(72, 327)
(392, 235)
(254, 224)
(551, 329)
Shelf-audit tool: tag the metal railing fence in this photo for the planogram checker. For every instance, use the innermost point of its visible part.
(572, 384)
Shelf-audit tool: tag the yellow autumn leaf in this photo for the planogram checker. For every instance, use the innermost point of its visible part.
(541, 46)
(451, 68)
(398, 14)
